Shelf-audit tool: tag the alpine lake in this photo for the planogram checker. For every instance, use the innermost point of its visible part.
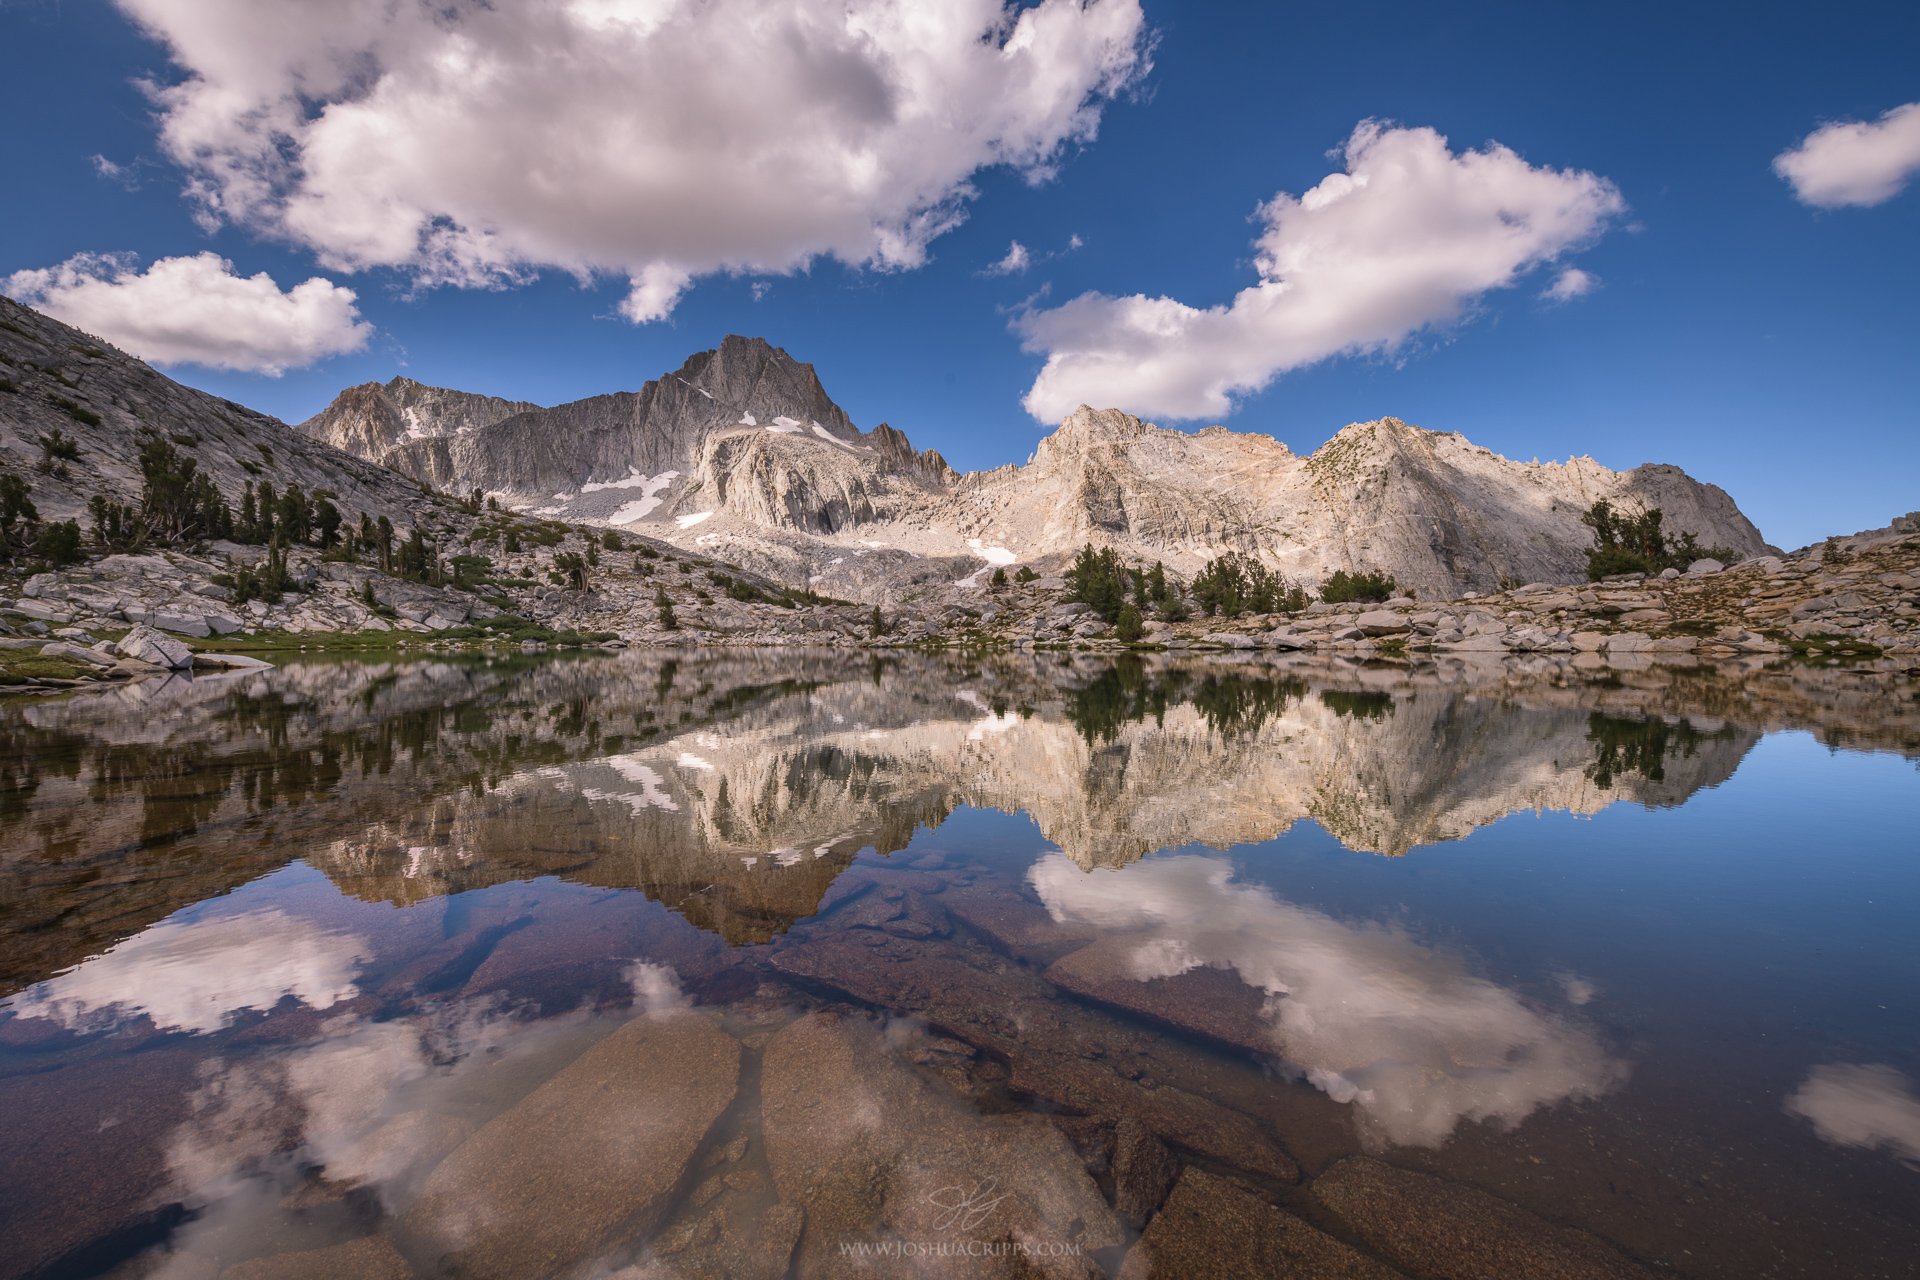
(756, 964)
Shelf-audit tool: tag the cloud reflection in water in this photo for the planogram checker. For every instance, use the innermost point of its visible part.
(1367, 1014)
(1861, 1105)
(194, 974)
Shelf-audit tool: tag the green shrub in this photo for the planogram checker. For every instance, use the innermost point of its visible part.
(75, 411)
(59, 543)
(1131, 626)
(999, 578)
(1025, 573)
(1349, 588)
(1098, 580)
(1636, 543)
(1234, 584)
(57, 448)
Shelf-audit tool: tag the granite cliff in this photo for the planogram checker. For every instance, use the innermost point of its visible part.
(742, 451)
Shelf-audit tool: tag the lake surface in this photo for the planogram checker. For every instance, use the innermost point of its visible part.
(757, 964)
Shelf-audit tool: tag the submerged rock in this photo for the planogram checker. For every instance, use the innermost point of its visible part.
(368, 1258)
(1054, 1049)
(1143, 1172)
(876, 1155)
(587, 1160)
(1212, 1229)
(1206, 1001)
(1430, 1227)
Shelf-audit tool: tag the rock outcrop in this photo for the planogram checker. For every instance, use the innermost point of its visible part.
(405, 425)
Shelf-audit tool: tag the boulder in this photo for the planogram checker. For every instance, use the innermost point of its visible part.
(589, 1159)
(1285, 638)
(1213, 1229)
(1429, 1227)
(1239, 640)
(73, 652)
(221, 624)
(1705, 566)
(40, 612)
(1383, 622)
(186, 624)
(148, 645)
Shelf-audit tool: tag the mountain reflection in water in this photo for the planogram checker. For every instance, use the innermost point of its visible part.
(717, 963)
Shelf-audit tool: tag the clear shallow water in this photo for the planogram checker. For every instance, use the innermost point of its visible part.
(730, 964)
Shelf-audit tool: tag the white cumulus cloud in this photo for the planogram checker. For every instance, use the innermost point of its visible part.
(1016, 262)
(197, 311)
(1861, 1105)
(1570, 284)
(1855, 163)
(474, 143)
(1408, 236)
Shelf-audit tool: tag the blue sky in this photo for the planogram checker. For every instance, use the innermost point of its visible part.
(1759, 332)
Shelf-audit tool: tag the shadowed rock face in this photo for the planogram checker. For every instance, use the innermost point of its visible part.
(405, 425)
(47, 361)
(743, 426)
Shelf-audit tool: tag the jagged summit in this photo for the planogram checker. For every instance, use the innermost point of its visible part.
(727, 418)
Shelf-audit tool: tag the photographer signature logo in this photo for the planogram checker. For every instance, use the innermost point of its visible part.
(965, 1209)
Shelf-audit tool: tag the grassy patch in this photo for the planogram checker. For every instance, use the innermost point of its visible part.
(1828, 646)
(17, 666)
(273, 641)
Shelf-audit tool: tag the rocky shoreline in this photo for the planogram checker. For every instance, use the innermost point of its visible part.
(1856, 597)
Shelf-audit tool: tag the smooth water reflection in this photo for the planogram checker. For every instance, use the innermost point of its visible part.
(338, 966)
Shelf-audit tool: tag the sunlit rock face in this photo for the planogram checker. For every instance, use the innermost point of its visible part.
(1437, 512)
(742, 450)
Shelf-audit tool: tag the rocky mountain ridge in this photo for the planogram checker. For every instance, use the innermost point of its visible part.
(742, 451)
